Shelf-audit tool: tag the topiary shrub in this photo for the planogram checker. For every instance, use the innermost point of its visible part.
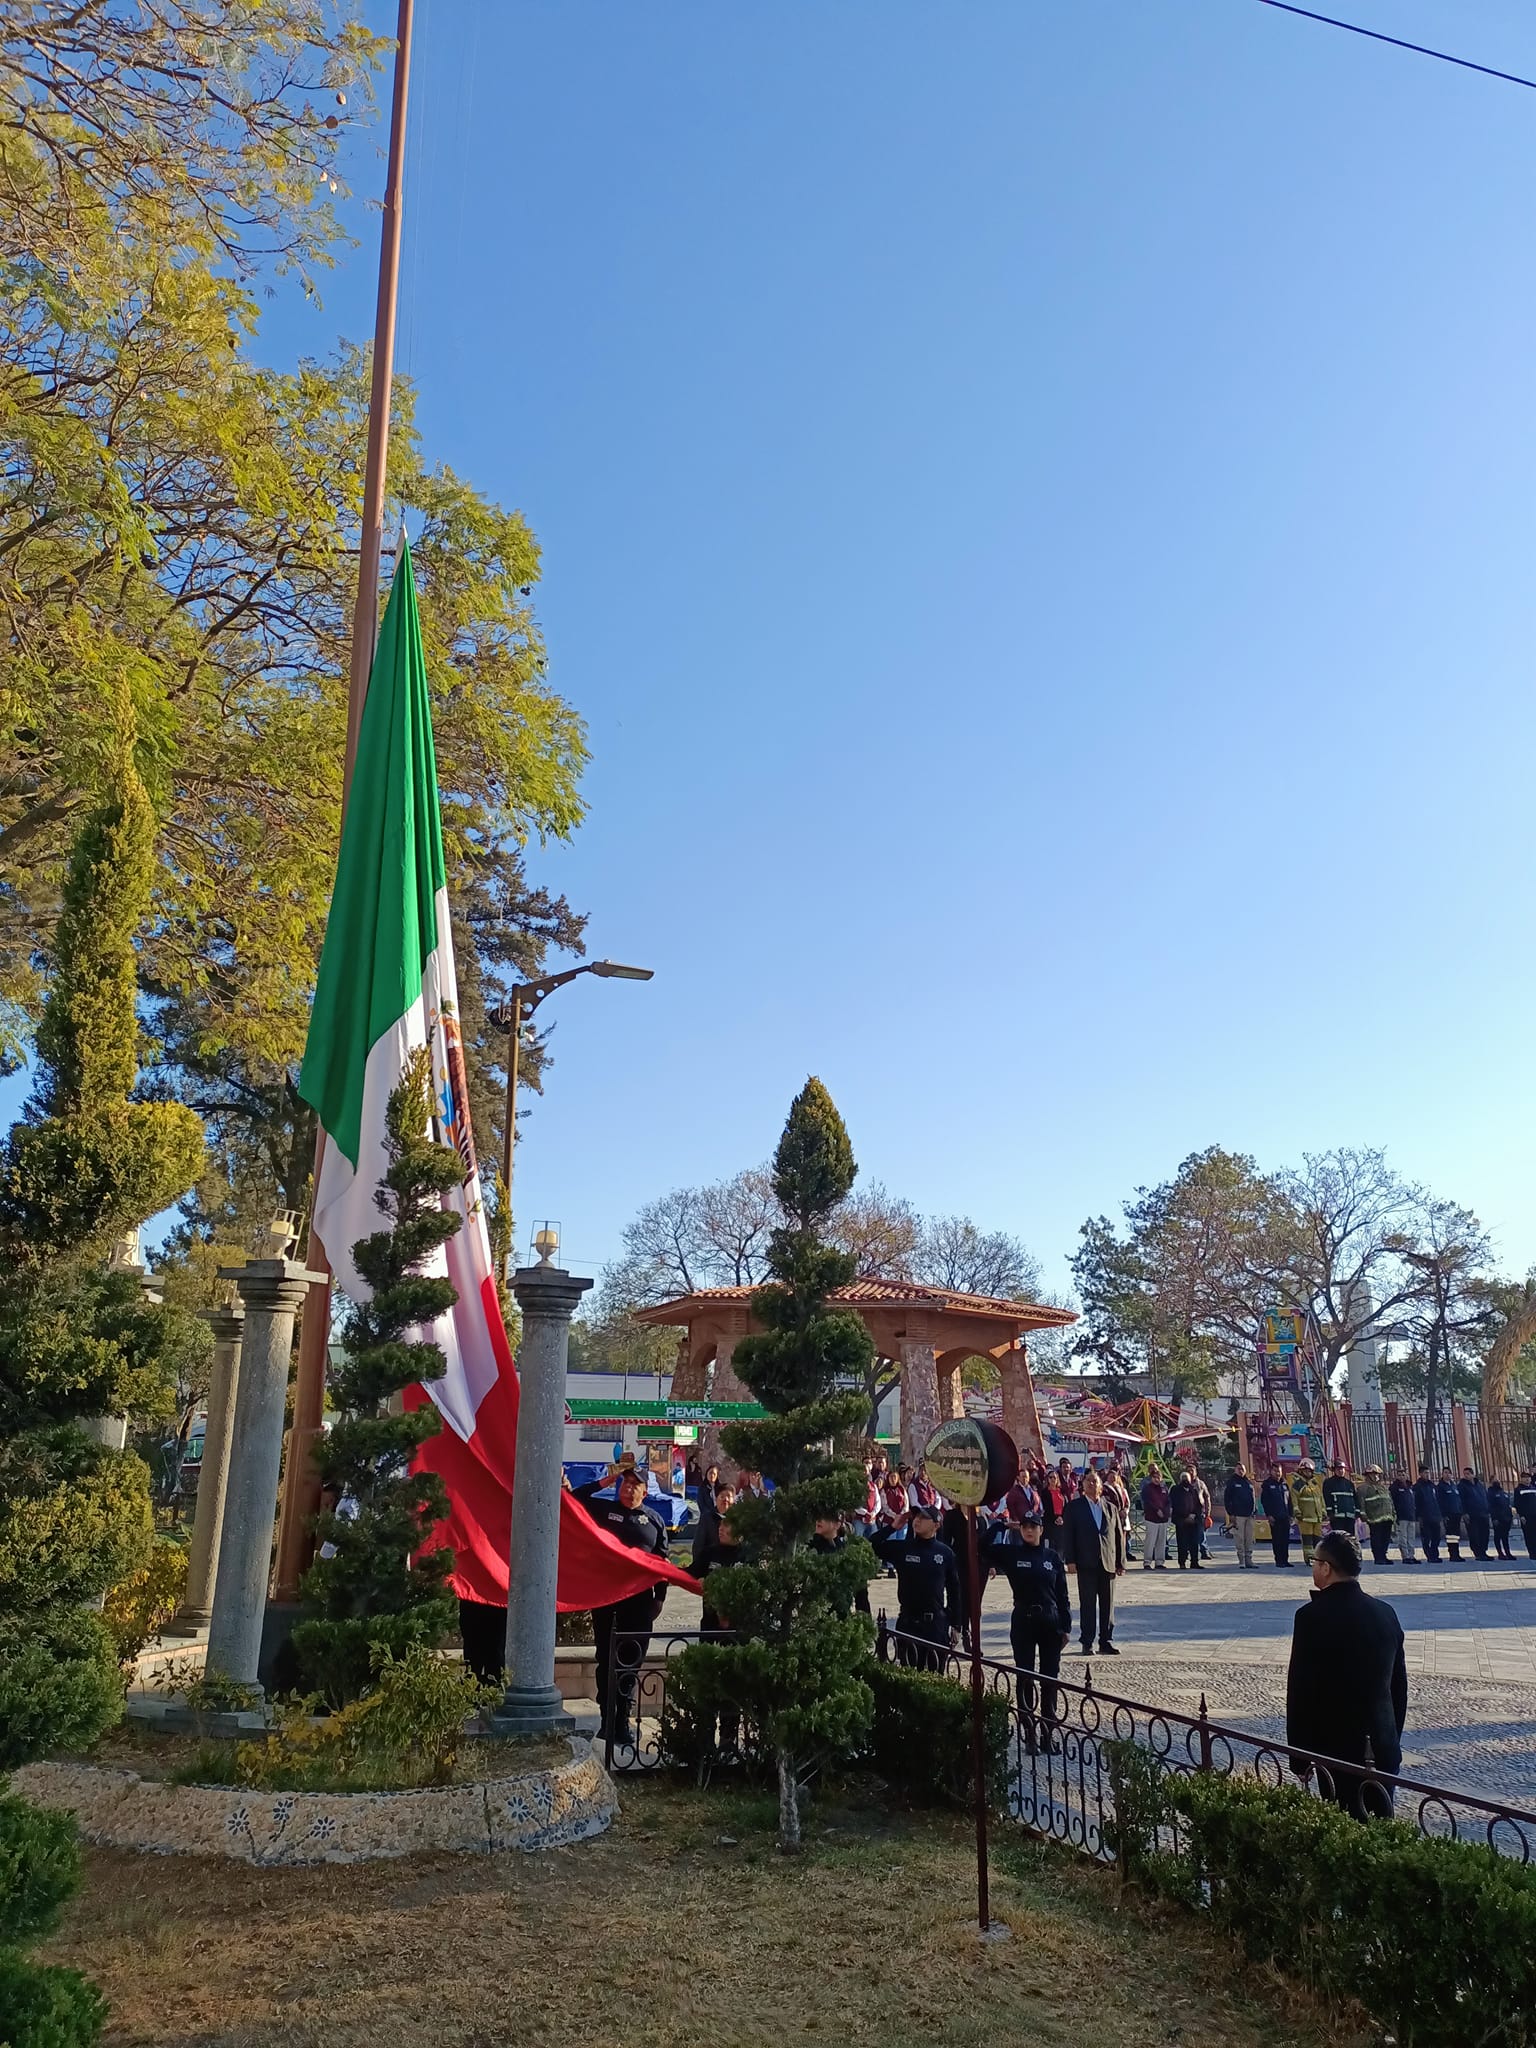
(798, 1668)
(374, 1590)
(78, 1341)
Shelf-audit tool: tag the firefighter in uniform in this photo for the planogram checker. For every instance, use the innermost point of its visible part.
(928, 1602)
(1307, 1501)
(638, 1527)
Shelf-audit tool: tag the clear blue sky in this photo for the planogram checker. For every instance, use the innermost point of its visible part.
(1037, 509)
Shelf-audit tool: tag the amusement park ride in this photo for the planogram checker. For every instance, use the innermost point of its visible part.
(1297, 1416)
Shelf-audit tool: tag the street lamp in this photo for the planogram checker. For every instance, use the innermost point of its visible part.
(522, 1000)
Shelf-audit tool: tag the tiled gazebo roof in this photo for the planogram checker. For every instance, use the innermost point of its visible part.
(1028, 1315)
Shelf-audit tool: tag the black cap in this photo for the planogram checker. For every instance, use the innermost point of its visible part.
(1031, 1518)
(934, 1514)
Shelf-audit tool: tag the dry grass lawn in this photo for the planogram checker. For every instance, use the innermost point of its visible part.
(680, 1926)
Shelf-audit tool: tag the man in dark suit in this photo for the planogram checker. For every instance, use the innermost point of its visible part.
(1347, 1695)
(1093, 1547)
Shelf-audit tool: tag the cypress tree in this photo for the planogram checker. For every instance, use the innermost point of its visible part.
(372, 1594)
(77, 1341)
(796, 1669)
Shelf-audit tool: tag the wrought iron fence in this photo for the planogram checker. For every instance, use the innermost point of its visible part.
(1060, 1780)
(634, 1710)
(1058, 1771)
(1499, 1442)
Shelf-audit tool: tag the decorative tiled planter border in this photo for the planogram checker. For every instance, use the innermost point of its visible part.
(118, 1809)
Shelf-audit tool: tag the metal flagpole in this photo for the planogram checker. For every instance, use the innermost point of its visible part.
(301, 1482)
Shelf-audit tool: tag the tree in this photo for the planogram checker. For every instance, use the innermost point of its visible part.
(1447, 1254)
(373, 1593)
(715, 1236)
(1513, 1303)
(1342, 1230)
(954, 1252)
(882, 1233)
(1178, 1294)
(619, 1344)
(77, 1342)
(181, 523)
(148, 167)
(795, 1668)
(137, 122)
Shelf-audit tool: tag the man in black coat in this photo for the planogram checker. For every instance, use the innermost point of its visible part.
(1474, 1511)
(1347, 1694)
(1188, 1512)
(1093, 1546)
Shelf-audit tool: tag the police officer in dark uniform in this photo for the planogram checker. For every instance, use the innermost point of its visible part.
(1426, 1502)
(829, 1540)
(1042, 1609)
(1523, 1500)
(638, 1527)
(928, 1602)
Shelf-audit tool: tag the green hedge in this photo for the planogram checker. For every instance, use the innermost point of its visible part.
(1437, 1939)
(59, 1683)
(922, 1734)
(39, 1866)
(47, 2008)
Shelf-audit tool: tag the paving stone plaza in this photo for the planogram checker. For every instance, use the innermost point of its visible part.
(1471, 1652)
(1471, 1649)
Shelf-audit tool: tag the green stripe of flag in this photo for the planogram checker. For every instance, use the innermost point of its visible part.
(382, 923)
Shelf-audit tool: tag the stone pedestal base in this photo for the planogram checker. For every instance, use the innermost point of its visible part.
(531, 1710)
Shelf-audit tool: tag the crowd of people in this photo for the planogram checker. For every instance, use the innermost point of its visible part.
(1056, 1525)
(1468, 1516)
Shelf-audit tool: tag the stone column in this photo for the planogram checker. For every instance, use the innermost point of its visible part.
(272, 1292)
(952, 1393)
(724, 1386)
(213, 1474)
(1021, 1418)
(920, 1415)
(548, 1297)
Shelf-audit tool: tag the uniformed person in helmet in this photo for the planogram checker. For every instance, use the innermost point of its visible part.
(628, 1519)
(928, 1602)
(1042, 1609)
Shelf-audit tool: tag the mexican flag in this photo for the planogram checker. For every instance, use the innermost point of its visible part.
(387, 987)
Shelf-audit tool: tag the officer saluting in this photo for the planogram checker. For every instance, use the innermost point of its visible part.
(638, 1527)
(1042, 1610)
(927, 1586)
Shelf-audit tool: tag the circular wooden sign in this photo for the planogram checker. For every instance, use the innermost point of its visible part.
(970, 1461)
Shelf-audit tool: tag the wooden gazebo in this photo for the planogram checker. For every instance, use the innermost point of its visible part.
(928, 1331)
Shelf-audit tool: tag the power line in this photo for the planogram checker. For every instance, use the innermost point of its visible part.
(1419, 49)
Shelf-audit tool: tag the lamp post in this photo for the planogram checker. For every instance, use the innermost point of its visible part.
(522, 1000)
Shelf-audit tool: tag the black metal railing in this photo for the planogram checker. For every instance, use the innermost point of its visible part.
(634, 1711)
(1061, 1781)
(1059, 1770)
